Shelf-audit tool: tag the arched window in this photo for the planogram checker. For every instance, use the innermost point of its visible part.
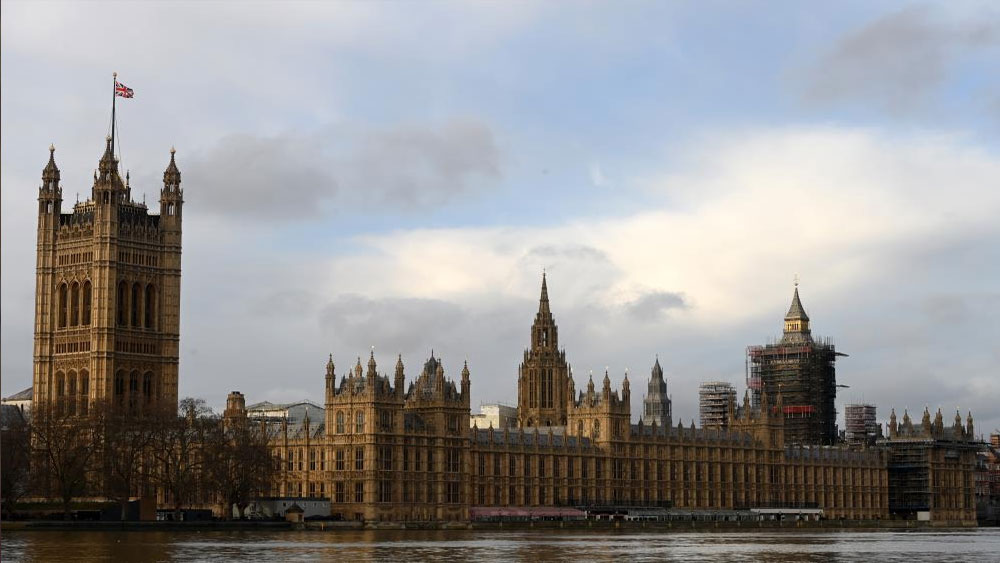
(85, 310)
(150, 306)
(359, 423)
(60, 392)
(340, 422)
(133, 388)
(119, 386)
(136, 303)
(74, 304)
(147, 387)
(84, 391)
(597, 430)
(61, 304)
(122, 303)
(579, 429)
(71, 392)
(547, 388)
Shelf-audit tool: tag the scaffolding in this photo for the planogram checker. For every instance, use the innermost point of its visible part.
(860, 425)
(805, 377)
(713, 403)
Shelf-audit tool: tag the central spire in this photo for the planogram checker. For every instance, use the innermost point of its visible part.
(543, 301)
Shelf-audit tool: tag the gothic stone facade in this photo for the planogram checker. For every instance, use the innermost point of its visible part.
(932, 468)
(385, 454)
(107, 295)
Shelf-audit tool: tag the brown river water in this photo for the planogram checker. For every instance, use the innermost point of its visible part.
(499, 545)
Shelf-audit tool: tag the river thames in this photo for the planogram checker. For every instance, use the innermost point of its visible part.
(522, 545)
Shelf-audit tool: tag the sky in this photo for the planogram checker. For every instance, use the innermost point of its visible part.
(399, 174)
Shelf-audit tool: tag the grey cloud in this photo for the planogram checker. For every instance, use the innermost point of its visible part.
(285, 303)
(289, 176)
(898, 60)
(654, 304)
(401, 324)
(576, 252)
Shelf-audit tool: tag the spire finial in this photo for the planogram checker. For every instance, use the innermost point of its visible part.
(172, 151)
(543, 301)
(52, 147)
(796, 280)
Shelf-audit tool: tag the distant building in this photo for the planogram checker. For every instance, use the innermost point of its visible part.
(714, 400)
(802, 371)
(291, 413)
(21, 400)
(657, 407)
(494, 415)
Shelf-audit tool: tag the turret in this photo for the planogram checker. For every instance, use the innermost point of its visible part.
(331, 377)
(171, 196)
(465, 380)
(626, 389)
(236, 406)
(957, 429)
(439, 378)
(893, 428)
(925, 422)
(969, 429)
(371, 375)
(400, 377)
(50, 194)
(606, 390)
(108, 188)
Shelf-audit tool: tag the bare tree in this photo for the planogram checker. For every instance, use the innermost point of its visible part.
(239, 466)
(64, 449)
(127, 440)
(15, 459)
(179, 443)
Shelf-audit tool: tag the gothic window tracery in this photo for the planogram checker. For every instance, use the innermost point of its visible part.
(62, 304)
(74, 300)
(87, 304)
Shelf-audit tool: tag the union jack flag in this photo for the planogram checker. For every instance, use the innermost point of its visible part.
(122, 90)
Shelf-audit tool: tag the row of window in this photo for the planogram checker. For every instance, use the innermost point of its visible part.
(133, 390)
(685, 471)
(386, 422)
(72, 347)
(541, 394)
(74, 303)
(72, 391)
(136, 306)
(74, 258)
(139, 258)
(413, 459)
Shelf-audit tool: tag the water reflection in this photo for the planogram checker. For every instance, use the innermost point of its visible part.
(479, 545)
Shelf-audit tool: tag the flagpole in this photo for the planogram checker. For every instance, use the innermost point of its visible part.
(114, 98)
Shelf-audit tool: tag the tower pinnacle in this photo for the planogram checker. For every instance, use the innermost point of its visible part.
(796, 321)
(543, 301)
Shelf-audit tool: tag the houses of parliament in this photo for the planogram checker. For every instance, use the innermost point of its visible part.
(393, 447)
